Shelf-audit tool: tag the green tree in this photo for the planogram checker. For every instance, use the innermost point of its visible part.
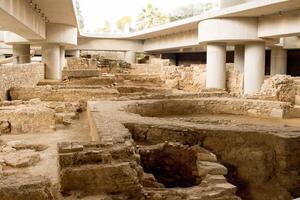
(123, 22)
(106, 28)
(149, 17)
(79, 16)
(191, 10)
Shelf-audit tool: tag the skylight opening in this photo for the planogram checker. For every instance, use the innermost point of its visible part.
(123, 17)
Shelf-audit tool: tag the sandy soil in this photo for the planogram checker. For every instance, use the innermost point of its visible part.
(48, 166)
(224, 119)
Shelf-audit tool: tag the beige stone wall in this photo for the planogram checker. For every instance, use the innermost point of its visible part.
(278, 88)
(111, 55)
(190, 78)
(79, 63)
(193, 78)
(25, 75)
(215, 105)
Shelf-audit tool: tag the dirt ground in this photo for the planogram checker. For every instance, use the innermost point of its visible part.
(233, 120)
(48, 165)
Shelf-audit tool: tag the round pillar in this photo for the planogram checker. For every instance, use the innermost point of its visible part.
(21, 53)
(239, 52)
(62, 57)
(77, 53)
(254, 71)
(130, 56)
(278, 61)
(51, 58)
(215, 68)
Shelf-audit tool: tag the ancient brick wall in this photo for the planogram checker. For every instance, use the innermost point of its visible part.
(25, 75)
(193, 78)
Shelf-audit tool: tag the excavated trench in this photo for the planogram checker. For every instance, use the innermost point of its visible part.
(251, 167)
(173, 166)
(262, 158)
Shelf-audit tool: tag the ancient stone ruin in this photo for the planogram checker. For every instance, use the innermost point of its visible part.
(148, 131)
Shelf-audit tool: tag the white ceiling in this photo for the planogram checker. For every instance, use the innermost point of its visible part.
(58, 11)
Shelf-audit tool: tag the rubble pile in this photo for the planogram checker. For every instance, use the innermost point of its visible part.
(279, 88)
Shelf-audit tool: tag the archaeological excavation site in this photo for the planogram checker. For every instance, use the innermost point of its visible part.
(168, 100)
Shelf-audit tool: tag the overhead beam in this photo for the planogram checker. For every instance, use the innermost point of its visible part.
(279, 25)
(19, 16)
(184, 39)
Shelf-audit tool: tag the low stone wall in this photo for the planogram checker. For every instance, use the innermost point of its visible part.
(112, 55)
(66, 74)
(52, 93)
(26, 118)
(255, 108)
(25, 75)
(79, 63)
(192, 78)
(277, 88)
(97, 62)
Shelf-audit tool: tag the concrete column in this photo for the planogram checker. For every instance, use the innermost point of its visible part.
(239, 54)
(51, 58)
(215, 67)
(278, 61)
(62, 57)
(254, 71)
(22, 53)
(130, 56)
(77, 53)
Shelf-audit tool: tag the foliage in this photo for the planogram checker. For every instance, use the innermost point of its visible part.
(149, 17)
(79, 16)
(123, 22)
(105, 29)
(190, 11)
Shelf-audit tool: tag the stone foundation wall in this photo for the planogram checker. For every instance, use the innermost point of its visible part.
(193, 78)
(80, 63)
(248, 107)
(105, 64)
(190, 78)
(111, 55)
(278, 88)
(25, 75)
(26, 118)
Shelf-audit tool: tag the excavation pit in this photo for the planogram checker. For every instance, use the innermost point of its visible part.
(172, 165)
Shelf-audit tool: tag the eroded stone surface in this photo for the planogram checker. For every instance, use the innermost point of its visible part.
(279, 88)
(25, 187)
(246, 150)
(25, 118)
(22, 158)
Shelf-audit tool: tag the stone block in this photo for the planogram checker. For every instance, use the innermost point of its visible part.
(29, 188)
(22, 158)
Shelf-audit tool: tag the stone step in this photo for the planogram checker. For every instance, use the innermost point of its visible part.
(295, 112)
(212, 168)
(297, 99)
(297, 89)
(31, 187)
(94, 179)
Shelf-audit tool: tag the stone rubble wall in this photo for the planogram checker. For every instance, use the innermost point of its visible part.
(278, 88)
(106, 64)
(111, 55)
(74, 63)
(191, 78)
(25, 75)
(248, 107)
(26, 118)
(52, 93)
